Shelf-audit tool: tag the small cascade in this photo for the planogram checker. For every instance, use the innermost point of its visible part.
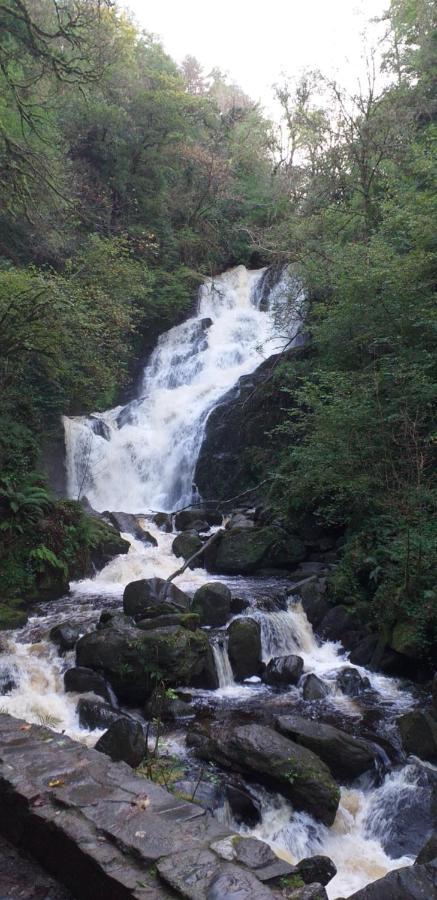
(223, 667)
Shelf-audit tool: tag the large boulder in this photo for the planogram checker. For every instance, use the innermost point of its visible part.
(312, 592)
(406, 639)
(316, 869)
(282, 670)
(313, 688)
(403, 814)
(261, 753)
(419, 734)
(163, 521)
(346, 756)
(428, 852)
(244, 550)
(149, 597)
(244, 647)
(338, 621)
(185, 545)
(212, 602)
(124, 741)
(409, 883)
(132, 659)
(83, 681)
(187, 518)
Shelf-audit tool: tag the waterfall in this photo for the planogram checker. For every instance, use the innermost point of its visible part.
(223, 667)
(143, 456)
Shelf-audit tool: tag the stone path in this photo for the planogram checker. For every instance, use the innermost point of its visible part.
(105, 832)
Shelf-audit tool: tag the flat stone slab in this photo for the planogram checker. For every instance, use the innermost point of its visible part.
(101, 829)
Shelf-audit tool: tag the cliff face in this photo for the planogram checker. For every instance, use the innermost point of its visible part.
(238, 443)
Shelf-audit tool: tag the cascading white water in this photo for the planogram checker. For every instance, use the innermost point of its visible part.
(223, 666)
(143, 456)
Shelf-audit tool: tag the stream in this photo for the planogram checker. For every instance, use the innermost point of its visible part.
(142, 457)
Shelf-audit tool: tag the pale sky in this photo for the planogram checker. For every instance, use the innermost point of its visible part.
(258, 42)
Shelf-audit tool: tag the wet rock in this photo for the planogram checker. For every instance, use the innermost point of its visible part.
(129, 658)
(316, 869)
(337, 622)
(108, 544)
(96, 714)
(83, 681)
(8, 678)
(259, 751)
(434, 694)
(186, 545)
(124, 741)
(309, 892)
(65, 636)
(245, 550)
(252, 853)
(428, 852)
(244, 648)
(163, 521)
(238, 605)
(419, 734)
(312, 592)
(235, 883)
(207, 795)
(169, 709)
(185, 519)
(245, 807)
(409, 883)
(313, 688)
(239, 520)
(351, 682)
(129, 523)
(283, 670)
(362, 654)
(149, 596)
(159, 622)
(212, 602)
(346, 756)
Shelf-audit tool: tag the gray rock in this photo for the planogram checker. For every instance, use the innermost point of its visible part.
(253, 853)
(428, 852)
(244, 805)
(9, 676)
(124, 741)
(258, 751)
(283, 670)
(309, 892)
(64, 636)
(244, 647)
(149, 595)
(82, 681)
(351, 682)
(95, 713)
(313, 688)
(236, 883)
(212, 602)
(316, 869)
(409, 883)
(346, 756)
(419, 734)
(185, 545)
(129, 523)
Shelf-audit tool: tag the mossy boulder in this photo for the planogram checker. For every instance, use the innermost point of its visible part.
(243, 550)
(244, 647)
(212, 602)
(345, 755)
(185, 545)
(12, 614)
(150, 597)
(261, 753)
(406, 640)
(134, 660)
(419, 734)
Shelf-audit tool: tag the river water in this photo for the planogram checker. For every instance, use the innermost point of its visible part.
(142, 458)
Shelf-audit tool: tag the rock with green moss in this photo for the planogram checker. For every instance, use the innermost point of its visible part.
(419, 734)
(135, 661)
(185, 545)
(212, 602)
(244, 550)
(405, 639)
(261, 753)
(12, 614)
(244, 647)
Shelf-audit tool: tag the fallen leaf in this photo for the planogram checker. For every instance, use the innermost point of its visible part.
(25, 727)
(56, 782)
